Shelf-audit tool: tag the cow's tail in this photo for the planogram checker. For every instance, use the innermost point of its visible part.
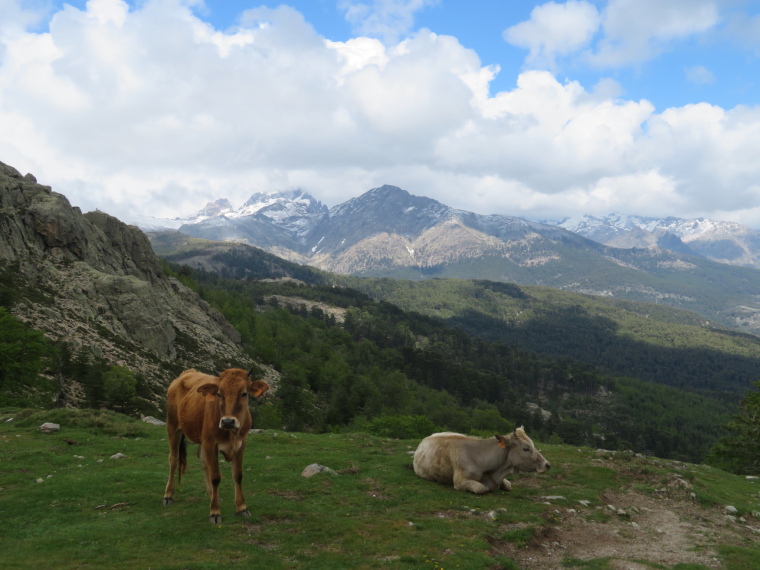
(182, 458)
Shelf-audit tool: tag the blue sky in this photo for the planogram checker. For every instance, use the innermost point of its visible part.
(535, 109)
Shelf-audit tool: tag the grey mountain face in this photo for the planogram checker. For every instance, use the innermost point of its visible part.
(96, 284)
(383, 229)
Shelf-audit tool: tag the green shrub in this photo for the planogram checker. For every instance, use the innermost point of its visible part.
(402, 427)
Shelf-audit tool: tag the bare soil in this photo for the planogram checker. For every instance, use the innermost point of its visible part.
(640, 531)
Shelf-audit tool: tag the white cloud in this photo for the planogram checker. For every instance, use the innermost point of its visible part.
(555, 30)
(637, 30)
(626, 32)
(385, 19)
(153, 109)
(699, 75)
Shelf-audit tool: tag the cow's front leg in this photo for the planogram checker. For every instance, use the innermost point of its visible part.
(506, 485)
(465, 482)
(237, 474)
(210, 459)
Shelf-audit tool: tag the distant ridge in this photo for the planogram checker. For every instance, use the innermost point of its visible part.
(724, 242)
(388, 232)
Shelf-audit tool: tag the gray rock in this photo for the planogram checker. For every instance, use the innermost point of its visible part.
(153, 421)
(49, 427)
(316, 468)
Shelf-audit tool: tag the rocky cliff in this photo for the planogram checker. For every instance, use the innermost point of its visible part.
(95, 283)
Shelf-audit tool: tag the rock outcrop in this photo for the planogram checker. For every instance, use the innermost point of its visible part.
(94, 282)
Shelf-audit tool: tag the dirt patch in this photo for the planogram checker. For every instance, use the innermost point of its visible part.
(375, 490)
(633, 530)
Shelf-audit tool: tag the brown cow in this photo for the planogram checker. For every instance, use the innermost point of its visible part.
(212, 411)
(477, 465)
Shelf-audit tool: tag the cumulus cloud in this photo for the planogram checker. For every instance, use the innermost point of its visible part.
(635, 31)
(385, 19)
(151, 109)
(626, 32)
(555, 30)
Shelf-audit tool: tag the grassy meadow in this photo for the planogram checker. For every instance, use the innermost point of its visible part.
(64, 503)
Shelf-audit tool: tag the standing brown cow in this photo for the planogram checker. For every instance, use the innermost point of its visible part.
(213, 412)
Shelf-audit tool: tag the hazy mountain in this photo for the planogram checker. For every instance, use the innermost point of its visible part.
(725, 242)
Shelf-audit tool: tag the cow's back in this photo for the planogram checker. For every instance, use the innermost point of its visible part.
(437, 454)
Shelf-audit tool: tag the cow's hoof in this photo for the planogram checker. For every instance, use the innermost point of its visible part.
(215, 519)
(243, 513)
(168, 501)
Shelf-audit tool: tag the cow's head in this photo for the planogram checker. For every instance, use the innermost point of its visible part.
(231, 394)
(523, 455)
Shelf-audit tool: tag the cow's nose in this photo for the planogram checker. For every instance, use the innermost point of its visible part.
(548, 466)
(227, 423)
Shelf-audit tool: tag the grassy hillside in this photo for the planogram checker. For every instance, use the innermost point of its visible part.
(67, 504)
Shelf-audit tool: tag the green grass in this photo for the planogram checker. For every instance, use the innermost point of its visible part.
(97, 512)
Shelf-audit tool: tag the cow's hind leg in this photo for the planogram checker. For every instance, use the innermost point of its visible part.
(237, 475)
(177, 461)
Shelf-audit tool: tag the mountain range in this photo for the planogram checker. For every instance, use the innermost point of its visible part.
(388, 232)
(725, 242)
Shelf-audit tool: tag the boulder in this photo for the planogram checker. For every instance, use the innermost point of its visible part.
(49, 427)
(315, 468)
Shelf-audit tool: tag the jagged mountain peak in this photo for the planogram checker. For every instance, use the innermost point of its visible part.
(216, 208)
(292, 195)
(392, 203)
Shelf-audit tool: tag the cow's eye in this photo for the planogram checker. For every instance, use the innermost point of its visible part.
(244, 395)
(526, 449)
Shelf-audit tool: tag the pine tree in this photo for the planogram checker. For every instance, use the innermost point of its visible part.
(739, 451)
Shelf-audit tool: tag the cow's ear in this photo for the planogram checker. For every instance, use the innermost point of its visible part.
(258, 387)
(209, 390)
(503, 441)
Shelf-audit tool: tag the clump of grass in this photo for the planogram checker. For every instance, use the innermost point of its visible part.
(96, 421)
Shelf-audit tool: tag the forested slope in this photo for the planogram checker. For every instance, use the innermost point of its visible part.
(375, 360)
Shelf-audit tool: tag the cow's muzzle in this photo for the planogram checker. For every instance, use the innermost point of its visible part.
(228, 423)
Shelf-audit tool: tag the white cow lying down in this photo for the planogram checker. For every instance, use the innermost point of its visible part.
(474, 464)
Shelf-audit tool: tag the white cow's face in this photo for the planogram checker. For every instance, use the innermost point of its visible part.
(523, 455)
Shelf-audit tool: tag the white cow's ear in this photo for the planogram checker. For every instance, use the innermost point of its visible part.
(503, 441)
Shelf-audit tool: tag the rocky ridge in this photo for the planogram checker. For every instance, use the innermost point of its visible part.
(94, 282)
